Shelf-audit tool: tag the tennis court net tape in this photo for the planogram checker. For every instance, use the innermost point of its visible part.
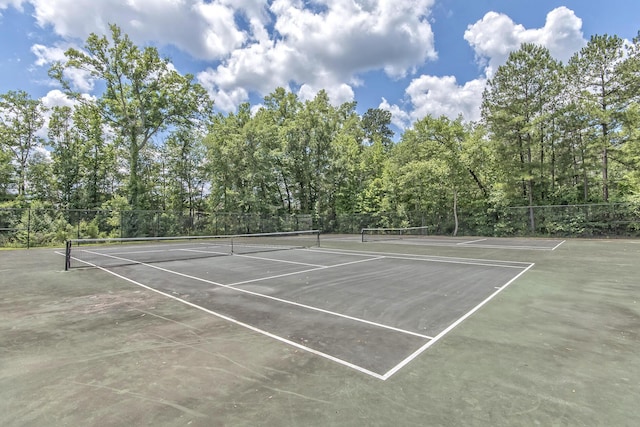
(115, 252)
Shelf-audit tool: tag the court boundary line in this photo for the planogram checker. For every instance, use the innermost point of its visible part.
(297, 304)
(435, 339)
(428, 258)
(433, 242)
(518, 248)
(558, 245)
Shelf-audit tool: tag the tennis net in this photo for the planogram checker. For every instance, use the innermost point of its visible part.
(380, 234)
(116, 252)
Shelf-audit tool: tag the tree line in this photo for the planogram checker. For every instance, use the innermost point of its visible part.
(551, 134)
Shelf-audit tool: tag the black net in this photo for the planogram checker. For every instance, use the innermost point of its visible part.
(147, 250)
(380, 234)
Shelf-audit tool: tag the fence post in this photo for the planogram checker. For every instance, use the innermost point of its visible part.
(67, 255)
(28, 227)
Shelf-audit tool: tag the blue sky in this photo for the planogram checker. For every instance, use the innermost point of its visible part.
(413, 57)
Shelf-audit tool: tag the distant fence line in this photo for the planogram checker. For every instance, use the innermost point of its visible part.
(38, 226)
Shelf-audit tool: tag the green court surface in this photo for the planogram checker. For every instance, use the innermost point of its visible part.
(423, 331)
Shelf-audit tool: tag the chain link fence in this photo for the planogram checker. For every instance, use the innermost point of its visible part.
(39, 226)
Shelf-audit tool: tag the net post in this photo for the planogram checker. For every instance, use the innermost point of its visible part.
(362, 235)
(67, 255)
(318, 239)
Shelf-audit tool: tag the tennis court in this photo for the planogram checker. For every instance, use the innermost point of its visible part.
(372, 312)
(394, 332)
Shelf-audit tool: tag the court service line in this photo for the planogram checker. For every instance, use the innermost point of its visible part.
(284, 301)
(429, 258)
(450, 327)
(558, 245)
(471, 241)
(200, 251)
(280, 260)
(246, 325)
(325, 267)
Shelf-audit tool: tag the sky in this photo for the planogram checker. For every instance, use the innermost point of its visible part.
(411, 57)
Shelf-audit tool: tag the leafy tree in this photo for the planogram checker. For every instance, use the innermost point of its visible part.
(143, 95)
(375, 124)
(66, 157)
(98, 160)
(276, 121)
(434, 168)
(183, 163)
(20, 120)
(6, 171)
(602, 93)
(226, 162)
(517, 108)
(40, 178)
(346, 171)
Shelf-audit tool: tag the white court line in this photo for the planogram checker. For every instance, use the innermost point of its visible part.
(156, 251)
(429, 258)
(246, 325)
(280, 260)
(558, 245)
(324, 267)
(471, 241)
(453, 325)
(507, 247)
(200, 251)
(487, 246)
(257, 294)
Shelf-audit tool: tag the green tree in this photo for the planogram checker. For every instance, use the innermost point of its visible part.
(602, 96)
(183, 170)
(143, 95)
(227, 162)
(40, 178)
(98, 160)
(375, 125)
(434, 170)
(66, 157)
(6, 171)
(276, 121)
(518, 105)
(20, 120)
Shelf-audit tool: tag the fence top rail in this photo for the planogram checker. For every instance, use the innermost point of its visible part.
(585, 205)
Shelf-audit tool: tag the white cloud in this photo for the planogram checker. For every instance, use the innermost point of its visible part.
(443, 96)
(399, 117)
(204, 29)
(438, 96)
(47, 55)
(495, 36)
(55, 98)
(326, 48)
(257, 45)
(4, 4)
